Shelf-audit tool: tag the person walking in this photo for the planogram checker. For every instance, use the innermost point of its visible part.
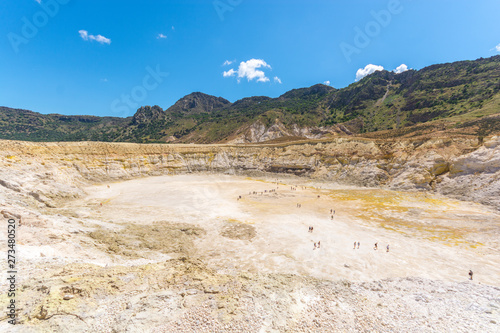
(376, 246)
(470, 273)
(358, 245)
(387, 247)
(354, 248)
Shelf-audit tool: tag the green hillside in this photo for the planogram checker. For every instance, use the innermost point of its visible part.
(463, 96)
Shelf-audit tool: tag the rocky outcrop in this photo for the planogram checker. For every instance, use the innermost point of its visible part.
(461, 168)
(258, 132)
(147, 114)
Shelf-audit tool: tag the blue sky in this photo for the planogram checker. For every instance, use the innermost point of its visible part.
(108, 57)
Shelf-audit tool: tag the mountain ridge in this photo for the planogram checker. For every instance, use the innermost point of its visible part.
(458, 94)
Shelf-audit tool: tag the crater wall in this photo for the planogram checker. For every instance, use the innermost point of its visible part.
(457, 167)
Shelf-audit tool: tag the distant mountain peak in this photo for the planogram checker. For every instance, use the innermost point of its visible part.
(315, 90)
(198, 102)
(147, 113)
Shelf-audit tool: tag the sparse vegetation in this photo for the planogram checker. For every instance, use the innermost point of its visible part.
(446, 94)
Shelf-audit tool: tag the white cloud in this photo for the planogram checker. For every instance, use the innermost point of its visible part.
(161, 36)
(84, 34)
(99, 38)
(248, 69)
(229, 73)
(400, 69)
(277, 80)
(497, 48)
(104, 80)
(173, 28)
(369, 69)
(227, 63)
(39, 1)
(326, 83)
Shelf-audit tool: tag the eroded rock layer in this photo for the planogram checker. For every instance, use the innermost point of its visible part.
(461, 168)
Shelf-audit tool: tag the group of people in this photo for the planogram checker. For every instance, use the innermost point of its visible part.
(375, 247)
(258, 193)
(318, 244)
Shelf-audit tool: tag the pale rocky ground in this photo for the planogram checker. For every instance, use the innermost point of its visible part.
(175, 251)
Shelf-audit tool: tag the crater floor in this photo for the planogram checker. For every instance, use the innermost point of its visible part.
(224, 253)
(266, 231)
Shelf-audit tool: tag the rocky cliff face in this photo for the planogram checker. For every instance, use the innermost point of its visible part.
(259, 132)
(461, 168)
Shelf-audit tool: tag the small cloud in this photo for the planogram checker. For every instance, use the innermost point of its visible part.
(249, 69)
(369, 69)
(400, 69)
(229, 73)
(104, 80)
(327, 83)
(277, 80)
(161, 36)
(497, 48)
(227, 63)
(84, 34)
(173, 28)
(99, 38)
(39, 1)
